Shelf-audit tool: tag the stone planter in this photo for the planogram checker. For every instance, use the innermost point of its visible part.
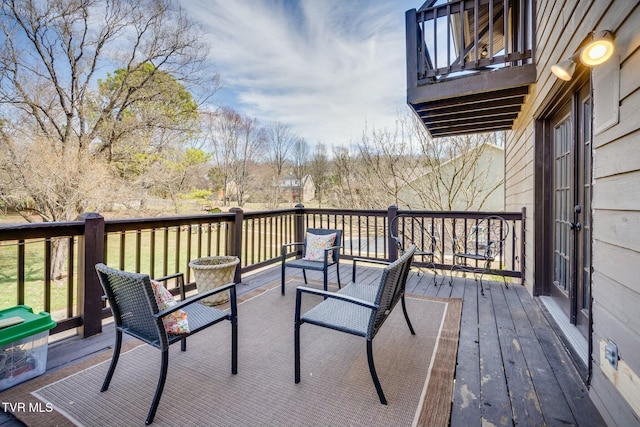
(212, 272)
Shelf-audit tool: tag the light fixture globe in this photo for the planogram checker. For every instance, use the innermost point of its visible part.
(564, 69)
(598, 50)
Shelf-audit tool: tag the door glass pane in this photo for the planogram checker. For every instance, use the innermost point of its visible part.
(562, 173)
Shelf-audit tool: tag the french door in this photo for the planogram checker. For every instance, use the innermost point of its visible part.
(571, 166)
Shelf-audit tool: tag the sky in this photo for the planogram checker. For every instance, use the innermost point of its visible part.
(328, 68)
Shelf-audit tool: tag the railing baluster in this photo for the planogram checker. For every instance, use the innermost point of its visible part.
(21, 287)
(152, 252)
(138, 249)
(165, 255)
(70, 270)
(47, 274)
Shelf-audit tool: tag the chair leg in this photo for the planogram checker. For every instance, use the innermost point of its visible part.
(183, 344)
(304, 274)
(159, 388)
(374, 376)
(114, 361)
(296, 351)
(282, 279)
(406, 316)
(338, 274)
(234, 345)
(325, 279)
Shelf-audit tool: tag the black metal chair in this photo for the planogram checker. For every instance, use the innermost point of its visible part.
(358, 309)
(479, 247)
(323, 265)
(136, 313)
(406, 228)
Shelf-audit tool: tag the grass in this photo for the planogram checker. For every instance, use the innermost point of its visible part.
(34, 289)
(173, 259)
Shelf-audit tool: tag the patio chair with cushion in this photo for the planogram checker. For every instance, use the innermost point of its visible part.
(146, 310)
(358, 309)
(320, 250)
(479, 247)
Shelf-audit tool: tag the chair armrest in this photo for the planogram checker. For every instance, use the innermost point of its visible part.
(180, 277)
(326, 254)
(373, 261)
(287, 245)
(293, 244)
(194, 298)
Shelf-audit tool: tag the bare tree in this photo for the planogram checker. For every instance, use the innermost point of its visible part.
(251, 144)
(237, 143)
(320, 171)
(456, 175)
(222, 134)
(372, 174)
(280, 140)
(300, 158)
(347, 183)
(52, 53)
(408, 168)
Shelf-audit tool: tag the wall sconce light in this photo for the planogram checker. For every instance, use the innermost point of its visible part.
(564, 69)
(596, 52)
(484, 53)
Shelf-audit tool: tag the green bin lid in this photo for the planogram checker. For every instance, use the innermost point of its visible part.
(33, 323)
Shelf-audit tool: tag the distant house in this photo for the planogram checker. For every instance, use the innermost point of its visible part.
(473, 182)
(298, 191)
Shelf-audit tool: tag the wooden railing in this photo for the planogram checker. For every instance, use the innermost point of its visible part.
(162, 246)
(459, 36)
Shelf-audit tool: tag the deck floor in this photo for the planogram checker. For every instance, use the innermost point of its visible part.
(512, 369)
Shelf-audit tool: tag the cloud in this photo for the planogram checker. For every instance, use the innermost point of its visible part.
(324, 67)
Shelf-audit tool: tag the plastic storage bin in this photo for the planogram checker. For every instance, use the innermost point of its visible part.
(23, 347)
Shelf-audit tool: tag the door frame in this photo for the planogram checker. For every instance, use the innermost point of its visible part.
(543, 177)
(556, 98)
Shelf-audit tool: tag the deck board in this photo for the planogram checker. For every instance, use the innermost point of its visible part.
(512, 369)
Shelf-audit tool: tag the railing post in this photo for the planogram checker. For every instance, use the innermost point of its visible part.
(298, 225)
(392, 212)
(90, 253)
(235, 241)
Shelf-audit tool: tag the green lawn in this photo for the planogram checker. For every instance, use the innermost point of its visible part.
(34, 266)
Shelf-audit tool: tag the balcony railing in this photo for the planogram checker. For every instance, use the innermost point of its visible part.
(163, 246)
(468, 35)
(469, 64)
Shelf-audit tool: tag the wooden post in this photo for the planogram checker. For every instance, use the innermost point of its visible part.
(392, 212)
(298, 225)
(90, 253)
(235, 241)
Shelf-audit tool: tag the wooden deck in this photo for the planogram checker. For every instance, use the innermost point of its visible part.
(512, 368)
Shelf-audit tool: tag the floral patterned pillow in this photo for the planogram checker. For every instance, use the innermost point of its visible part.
(316, 244)
(176, 322)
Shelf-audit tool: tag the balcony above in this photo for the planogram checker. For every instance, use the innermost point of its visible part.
(469, 68)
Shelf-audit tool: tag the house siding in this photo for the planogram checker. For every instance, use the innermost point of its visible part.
(560, 27)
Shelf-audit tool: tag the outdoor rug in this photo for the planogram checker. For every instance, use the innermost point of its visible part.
(416, 373)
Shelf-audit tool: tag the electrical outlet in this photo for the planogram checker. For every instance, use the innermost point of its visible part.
(611, 354)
